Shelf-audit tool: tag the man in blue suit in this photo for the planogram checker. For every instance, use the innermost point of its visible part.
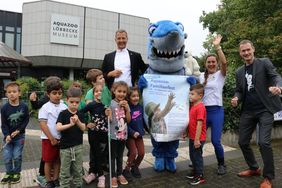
(258, 86)
(122, 64)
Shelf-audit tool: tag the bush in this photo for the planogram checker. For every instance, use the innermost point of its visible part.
(28, 84)
(231, 114)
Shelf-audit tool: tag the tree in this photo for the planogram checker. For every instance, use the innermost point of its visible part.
(258, 21)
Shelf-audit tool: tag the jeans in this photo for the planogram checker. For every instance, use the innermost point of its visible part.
(248, 122)
(196, 156)
(12, 154)
(215, 120)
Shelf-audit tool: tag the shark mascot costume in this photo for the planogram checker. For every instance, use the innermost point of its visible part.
(166, 56)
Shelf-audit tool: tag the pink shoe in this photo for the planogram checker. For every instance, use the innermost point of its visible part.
(101, 183)
(89, 178)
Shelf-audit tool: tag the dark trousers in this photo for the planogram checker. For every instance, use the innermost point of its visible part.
(117, 148)
(91, 153)
(248, 122)
(98, 151)
(135, 152)
(196, 156)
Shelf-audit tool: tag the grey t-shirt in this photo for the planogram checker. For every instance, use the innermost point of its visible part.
(118, 125)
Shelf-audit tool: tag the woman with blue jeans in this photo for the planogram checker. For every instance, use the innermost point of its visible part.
(213, 80)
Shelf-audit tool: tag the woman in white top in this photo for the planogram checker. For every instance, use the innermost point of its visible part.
(213, 79)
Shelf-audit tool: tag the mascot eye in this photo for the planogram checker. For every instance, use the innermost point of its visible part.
(151, 29)
(180, 26)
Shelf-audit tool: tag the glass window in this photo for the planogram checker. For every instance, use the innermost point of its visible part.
(1, 36)
(9, 39)
(19, 30)
(10, 28)
(1, 28)
(18, 43)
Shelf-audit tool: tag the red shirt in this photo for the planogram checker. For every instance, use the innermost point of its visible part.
(197, 112)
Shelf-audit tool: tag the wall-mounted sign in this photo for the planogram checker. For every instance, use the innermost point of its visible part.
(64, 29)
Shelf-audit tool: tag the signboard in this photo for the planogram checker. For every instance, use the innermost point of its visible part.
(166, 106)
(64, 29)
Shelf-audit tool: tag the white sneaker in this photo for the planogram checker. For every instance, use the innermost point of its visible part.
(101, 183)
(89, 178)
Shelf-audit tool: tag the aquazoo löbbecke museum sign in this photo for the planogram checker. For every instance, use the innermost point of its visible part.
(64, 29)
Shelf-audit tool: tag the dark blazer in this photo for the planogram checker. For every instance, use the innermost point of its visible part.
(137, 66)
(264, 76)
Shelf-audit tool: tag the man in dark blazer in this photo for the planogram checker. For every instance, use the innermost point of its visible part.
(122, 64)
(258, 87)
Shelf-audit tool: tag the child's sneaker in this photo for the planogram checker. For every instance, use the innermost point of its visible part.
(135, 172)
(40, 180)
(197, 180)
(190, 175)
(101, 182)
(6, 179)
(127, 175)
(122, 180)
(49, 184)
(114, 182)
(56, 183)
(15, 178)
(89, 178)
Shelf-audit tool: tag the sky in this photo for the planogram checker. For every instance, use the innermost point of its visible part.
(184, 11)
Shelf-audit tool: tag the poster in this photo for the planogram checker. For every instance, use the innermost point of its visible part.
(166, 106)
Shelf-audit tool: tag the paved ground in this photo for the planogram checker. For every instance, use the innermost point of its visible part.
(234, 160)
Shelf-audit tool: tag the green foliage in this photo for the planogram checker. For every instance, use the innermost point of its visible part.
(258, 21)
(231, 114)
(28, 84)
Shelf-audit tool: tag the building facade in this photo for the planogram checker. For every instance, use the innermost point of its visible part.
(66, 40)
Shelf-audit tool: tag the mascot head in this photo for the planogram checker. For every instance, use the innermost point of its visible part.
(166, 46)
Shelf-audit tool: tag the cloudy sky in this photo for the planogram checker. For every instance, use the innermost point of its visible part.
(186, 12)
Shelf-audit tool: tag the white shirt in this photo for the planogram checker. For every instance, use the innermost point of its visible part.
(122, 62)
(213, 89)
(49, 113)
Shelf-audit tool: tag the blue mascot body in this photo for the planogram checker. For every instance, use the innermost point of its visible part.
(166, 55)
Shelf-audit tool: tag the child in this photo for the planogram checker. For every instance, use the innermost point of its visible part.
(35, 105)
(95, 76)
(136, 132)
(98, 132)
(14, 118)
(197, 133)
(156, 116)
(47, 116)
(70, 124)
(118, 129)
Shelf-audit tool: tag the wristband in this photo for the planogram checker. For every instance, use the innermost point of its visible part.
(218, 48)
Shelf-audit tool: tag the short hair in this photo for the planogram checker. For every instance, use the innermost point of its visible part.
(54, 85)
(118, 84)
(74, 92)
(121, 31)
(12, 84)
(51, 79)
(92, 75)
(199, 88)
(245, 41)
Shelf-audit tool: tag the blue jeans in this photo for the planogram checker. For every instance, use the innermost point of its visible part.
(215, 120)
(196, 156)
(12, 154)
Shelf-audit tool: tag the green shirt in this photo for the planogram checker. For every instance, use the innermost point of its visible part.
(106, 96)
